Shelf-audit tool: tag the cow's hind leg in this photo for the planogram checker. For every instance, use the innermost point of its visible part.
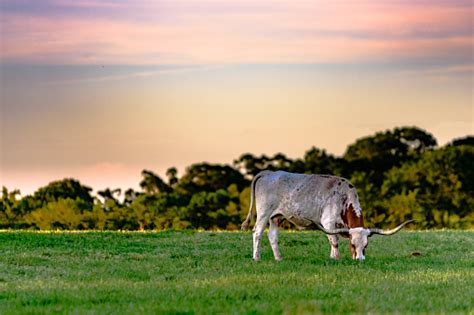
(273, 237)
(258, 230)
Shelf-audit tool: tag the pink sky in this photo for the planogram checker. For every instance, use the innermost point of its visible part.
(208, 32)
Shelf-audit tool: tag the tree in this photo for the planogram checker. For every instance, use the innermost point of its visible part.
(369, 197)
(387, 149)
(416, 140)
(393, 145)
(96, 219)
(172, 173)
(64, 189)
(129, 196)
(437, 189)
(152, 183)
(469, 140)
(162, 211)
(108, 197)
(317, 161)
(141, 214)
(210, 178)
(10, 213)
(399, 174)
(63, 214)
(207, 210)
(107, 194)
(250, 165)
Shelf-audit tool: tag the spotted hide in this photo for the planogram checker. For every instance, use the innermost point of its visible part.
(327, 202)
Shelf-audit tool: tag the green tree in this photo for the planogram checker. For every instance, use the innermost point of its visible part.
(165, 210)
(96, 219)
(250, 165)
(209, 210)
(64, 189)
(210, 178)
(392, 145)
(369, 197)
(109, 199)
(384, 150)
(469, 140)
(63, 214)
(107, 194)
(437, 189)
(398, 174)
(10, 214)
(152, 183)
(129, 196)
(172, 174)
(317, 161)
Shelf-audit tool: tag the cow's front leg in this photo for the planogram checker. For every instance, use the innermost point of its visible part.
(328, 223)
(334, 241)
(273, 237)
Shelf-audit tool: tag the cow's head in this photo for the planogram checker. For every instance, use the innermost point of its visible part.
(358, 241)
(358, 237)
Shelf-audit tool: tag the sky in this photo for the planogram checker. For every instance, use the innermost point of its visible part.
(100, 90)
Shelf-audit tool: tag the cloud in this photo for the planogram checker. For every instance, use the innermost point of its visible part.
(460, 69)
(443, 73)
(216, 32)
(135, 74)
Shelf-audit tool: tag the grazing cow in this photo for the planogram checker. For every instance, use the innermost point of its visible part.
(329, 203)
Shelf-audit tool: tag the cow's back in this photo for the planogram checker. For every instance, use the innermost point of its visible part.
(274, 187)
(279, 183)
(297, 195)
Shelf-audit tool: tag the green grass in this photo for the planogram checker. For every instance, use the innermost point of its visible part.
(212, 272)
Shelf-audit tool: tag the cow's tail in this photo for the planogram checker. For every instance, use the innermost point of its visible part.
(246, 223)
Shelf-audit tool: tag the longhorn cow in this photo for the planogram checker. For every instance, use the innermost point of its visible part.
(328, 203)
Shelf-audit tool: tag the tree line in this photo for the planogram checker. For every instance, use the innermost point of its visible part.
(400, 174)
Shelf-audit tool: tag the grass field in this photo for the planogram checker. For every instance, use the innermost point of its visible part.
(212, 272)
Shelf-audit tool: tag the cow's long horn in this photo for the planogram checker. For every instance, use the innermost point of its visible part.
(332, 232)
(392, 231)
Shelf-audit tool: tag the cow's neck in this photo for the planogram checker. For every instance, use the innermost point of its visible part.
(351, 219)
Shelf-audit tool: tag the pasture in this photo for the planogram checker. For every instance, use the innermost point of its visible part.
(212, 272)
